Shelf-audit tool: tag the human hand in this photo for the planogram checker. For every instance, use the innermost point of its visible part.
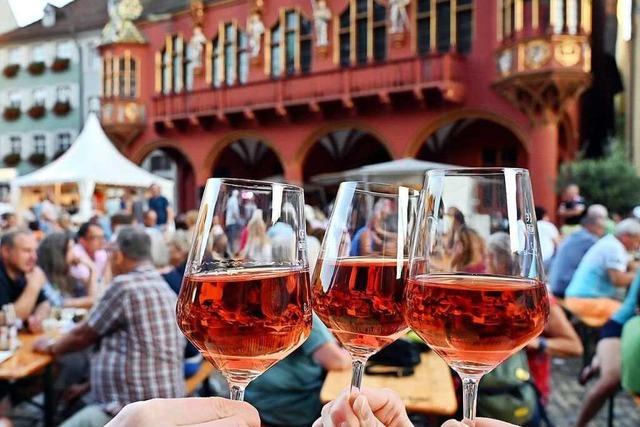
(42, 345)
(201, 411)
(34, 324)
(534, 344)
(479, 422)
(369, 408)
(36, 278)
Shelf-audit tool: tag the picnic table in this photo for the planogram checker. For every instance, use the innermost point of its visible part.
(26, 363)
(428, 391)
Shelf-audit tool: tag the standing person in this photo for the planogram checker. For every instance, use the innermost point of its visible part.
(571, 208)
(160, 205)
(9, 222)
(572, 249)
(258, 246)
(141, 349)
(592, 289)
(233, 222)
(548, 234)
(91, 240)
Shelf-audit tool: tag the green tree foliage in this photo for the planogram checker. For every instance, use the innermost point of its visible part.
(611, 181)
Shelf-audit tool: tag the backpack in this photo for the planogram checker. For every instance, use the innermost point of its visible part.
(630, 349)
(506, 393)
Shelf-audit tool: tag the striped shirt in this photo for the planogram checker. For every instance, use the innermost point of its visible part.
(141, 347)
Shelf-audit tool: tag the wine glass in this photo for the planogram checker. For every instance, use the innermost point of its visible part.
(245, 297)
(359, 278)
(476, 292)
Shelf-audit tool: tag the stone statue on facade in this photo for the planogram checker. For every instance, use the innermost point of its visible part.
(255, 30)
(120, 28)
(196, 47)
(321, 19)
(398, 16)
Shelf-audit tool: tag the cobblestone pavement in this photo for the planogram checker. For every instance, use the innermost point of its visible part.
(567, 396)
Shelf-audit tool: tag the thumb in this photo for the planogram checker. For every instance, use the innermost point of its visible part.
(364, 413)
(453, 423)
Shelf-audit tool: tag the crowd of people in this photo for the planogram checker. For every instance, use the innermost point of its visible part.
(123, 269)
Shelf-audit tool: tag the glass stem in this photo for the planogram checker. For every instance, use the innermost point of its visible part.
(469, 399)
(357, 373)
(236, 390)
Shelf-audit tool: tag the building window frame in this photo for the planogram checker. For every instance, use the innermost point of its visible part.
(354, 46)
(290, 44)
(443, 23)
(39, 143)
(63, 141)
(228, 56)
(15, 144)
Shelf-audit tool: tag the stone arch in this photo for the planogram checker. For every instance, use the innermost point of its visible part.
(167, 159)
(416, 144)
(473, 141)
(244, 155)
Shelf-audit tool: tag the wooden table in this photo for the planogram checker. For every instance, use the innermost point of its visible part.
(26, 363)
(429, 390)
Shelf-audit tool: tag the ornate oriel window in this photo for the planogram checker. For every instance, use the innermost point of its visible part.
(120, 76)
(554, 16)
(362, 33)
(444, 25)
(228, 56)
(290, 45)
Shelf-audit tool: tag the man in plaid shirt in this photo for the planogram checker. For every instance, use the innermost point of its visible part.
(141, 349)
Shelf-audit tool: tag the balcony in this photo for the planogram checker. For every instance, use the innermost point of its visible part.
(435, 77)
(122, 118)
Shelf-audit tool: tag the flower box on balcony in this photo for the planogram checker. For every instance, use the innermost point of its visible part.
(11, 113)
(36, 68)
(37, 159)
(11, 70)
(12, 159)
(61, 108)
(36, 111)
(59, 65)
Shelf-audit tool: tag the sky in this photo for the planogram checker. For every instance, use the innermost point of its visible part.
(27, 11)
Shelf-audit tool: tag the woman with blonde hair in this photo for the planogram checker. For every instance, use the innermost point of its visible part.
(258, 247)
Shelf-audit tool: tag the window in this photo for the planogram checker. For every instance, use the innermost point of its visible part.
(14, 99)
(368, 42)
(291, 52)
(178, 59)
(230, 56)
(63, 93)
(38, 96)
(120, 76)
(15, 145)
(38, 54)
(39, 144)
(15, 55)
(160, 163)
(63, 141)
(173, 63)
(64, 49)
(451, 22)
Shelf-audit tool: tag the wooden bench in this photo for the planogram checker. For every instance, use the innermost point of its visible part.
(193, 383)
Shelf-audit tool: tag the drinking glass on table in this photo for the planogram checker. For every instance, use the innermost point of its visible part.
(359, 278)
(476, 315)
(245, 310)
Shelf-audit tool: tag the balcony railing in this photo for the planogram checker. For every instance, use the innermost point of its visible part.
(404, 75)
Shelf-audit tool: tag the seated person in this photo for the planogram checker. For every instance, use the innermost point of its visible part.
(288, 394)
(21, 283)
(91, 240)
(55, 258)
(592, 289)
(141, 348)
(572, 250)
(607, 360)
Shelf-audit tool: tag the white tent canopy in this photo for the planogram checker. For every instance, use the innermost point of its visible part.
(406, 170)
(91, 160)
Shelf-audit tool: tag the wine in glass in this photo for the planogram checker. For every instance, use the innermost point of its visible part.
(476, 314)
(245, 297)
(359, 279)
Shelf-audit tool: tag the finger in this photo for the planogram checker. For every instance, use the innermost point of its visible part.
(387, 406)
(364, 413)
(453, 423)
(194, 410)
(235, 421)
(341, 413)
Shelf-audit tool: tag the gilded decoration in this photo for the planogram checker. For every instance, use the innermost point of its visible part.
(537, 54)
(567, 53)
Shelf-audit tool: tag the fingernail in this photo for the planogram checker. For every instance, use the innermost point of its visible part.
(362, 407)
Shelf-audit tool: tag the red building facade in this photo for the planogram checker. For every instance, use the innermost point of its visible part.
(261, 88)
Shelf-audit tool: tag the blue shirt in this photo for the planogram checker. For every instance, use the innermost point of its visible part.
(591, 279)
(288, 394)
(567, 258)
(631, 301)
(159, 205)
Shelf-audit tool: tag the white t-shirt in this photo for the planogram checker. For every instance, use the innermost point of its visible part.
(547, 233)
